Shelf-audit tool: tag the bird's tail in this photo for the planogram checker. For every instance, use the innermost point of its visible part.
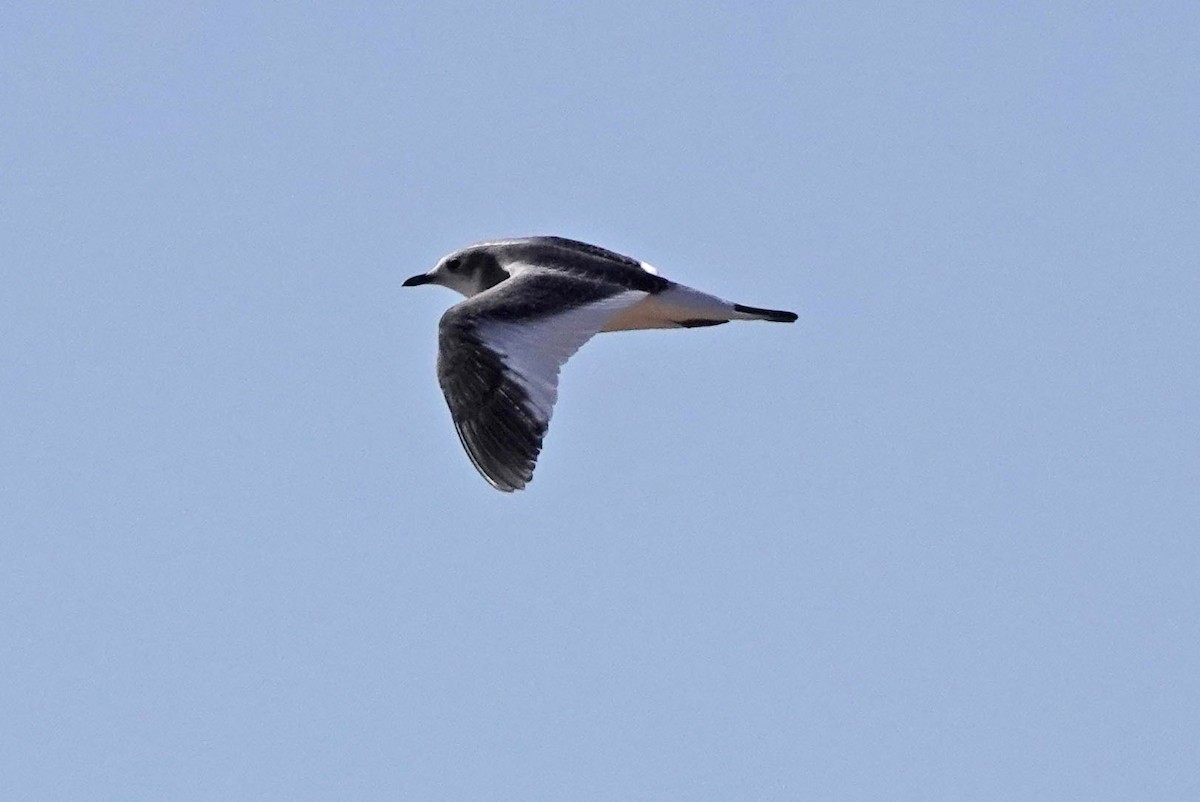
(680, 306)
(774, 315)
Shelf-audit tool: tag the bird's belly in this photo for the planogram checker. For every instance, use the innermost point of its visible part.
(645, 314)
(672, 308)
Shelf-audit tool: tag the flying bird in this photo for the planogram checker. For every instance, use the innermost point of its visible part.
(530, 304)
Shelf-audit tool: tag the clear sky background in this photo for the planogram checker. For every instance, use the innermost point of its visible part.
(936, 540)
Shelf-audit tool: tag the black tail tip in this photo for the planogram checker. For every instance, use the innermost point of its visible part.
(773, 315)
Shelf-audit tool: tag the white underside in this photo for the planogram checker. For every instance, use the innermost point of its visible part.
(671, 307)
(534, 351)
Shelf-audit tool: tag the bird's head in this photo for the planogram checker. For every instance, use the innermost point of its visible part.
(468, 272)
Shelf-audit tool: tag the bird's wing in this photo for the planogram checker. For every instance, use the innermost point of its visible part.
(499, 354)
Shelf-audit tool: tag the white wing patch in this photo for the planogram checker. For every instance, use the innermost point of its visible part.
(534, 351)
(649, 268)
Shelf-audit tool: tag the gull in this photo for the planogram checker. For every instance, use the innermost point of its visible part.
(530, 304)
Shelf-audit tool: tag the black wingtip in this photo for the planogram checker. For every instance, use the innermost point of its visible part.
(773, 315)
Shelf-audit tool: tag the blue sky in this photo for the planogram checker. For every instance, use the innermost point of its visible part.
(937, 540)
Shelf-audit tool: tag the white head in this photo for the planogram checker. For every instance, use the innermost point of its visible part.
(469, 271)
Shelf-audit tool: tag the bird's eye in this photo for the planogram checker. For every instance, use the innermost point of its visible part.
(453, 265)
